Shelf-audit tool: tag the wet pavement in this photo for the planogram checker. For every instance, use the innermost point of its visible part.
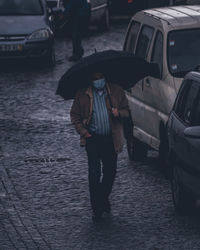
(44, 198)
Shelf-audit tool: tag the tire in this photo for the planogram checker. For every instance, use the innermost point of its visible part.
(183, 201)
(137, 151)
(50, 59)
(105, 21)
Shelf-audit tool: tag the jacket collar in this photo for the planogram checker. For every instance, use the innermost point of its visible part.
(89, 91)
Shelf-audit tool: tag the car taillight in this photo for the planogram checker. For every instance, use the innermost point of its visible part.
(130, 1)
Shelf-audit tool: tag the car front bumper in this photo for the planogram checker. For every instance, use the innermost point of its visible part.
(25, 49)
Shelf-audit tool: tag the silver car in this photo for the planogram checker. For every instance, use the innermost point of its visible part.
(26, 31)
(184, 144)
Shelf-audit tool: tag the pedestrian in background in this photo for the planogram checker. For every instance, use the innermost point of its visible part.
(78, 14)
(97, 114)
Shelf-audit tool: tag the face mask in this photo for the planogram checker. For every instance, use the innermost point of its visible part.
(99, 84)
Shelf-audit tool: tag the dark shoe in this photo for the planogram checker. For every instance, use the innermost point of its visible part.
(106, 206)
(75, 58)
(97, 216)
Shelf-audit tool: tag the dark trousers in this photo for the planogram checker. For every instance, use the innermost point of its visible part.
(79, 28)
(100, 149)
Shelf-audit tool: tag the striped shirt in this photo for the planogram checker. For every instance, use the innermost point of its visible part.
(100, 123)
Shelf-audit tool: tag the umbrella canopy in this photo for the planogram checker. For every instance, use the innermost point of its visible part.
(119, 67)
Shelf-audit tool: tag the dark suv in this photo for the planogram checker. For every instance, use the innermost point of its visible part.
(184, 143)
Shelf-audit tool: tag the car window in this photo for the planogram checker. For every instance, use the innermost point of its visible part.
(183, 51)
(196, 115)
(144, 41)
(179, 103)
(157, 55)
(132, 36)
(21, 7)
(188, 102)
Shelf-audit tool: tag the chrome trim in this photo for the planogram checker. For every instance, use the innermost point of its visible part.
(99, 7)
(12, 38)
(59, 4)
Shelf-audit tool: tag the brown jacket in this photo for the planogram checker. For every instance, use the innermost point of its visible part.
(81, 113)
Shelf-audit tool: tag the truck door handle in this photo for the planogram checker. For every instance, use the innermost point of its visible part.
(148, 84)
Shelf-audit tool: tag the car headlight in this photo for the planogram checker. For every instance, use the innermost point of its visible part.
(40, 35)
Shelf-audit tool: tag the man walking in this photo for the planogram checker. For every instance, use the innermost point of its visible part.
(97, 114)
(78, 14)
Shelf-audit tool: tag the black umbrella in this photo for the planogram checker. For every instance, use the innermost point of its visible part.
(119, 67)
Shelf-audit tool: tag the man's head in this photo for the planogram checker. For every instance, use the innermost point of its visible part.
(98, 80)
(97, 75)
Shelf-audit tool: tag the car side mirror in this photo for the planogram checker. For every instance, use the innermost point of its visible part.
(192, 132)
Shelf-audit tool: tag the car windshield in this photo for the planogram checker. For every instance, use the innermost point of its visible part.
(183, 51)
(20, 7)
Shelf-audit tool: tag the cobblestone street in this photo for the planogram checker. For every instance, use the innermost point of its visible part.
(44, 196)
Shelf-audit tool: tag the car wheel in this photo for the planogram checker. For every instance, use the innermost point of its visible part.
(105, 21)
(50, 58)
(136, 149)
(183, 201)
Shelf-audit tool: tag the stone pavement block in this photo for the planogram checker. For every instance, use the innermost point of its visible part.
(19, 217)
(13, 233)
(5, 241)
(22, 228)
